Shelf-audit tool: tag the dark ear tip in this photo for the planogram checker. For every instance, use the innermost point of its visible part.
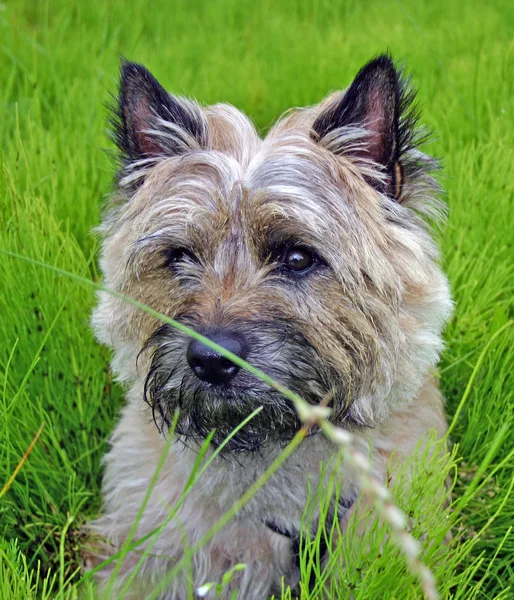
(382, 64)
(131, 71)
(384, 60)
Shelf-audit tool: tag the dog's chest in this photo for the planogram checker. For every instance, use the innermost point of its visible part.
(285, 499)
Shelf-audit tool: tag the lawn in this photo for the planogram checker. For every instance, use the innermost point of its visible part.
(59, 61)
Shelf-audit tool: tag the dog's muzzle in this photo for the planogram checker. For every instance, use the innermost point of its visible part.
(211, 393)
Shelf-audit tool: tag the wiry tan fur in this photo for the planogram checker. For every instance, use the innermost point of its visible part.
(385, 296)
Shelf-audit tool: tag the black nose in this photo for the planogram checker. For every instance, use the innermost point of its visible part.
(211, 366)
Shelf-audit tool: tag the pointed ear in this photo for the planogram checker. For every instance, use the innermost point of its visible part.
(149, 122)
(372, 104)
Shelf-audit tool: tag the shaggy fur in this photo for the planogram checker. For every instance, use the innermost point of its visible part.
(205, 216)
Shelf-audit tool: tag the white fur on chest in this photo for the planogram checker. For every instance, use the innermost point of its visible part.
(129, 469)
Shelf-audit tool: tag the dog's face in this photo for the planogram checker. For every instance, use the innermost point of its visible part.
(303, 253)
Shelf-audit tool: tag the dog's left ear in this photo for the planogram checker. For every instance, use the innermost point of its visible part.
(149, 122)
(373, 105)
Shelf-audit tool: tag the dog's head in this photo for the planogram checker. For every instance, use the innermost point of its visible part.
(304, 253)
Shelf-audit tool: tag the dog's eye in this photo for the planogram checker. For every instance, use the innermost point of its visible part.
(298, 259)
(175, 256)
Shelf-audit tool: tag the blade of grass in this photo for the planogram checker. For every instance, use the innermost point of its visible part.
(25, 456)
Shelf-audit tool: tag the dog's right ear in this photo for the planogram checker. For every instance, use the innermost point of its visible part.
(150, 123)
(378, 111)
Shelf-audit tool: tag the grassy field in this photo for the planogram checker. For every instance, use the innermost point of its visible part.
(59, 60)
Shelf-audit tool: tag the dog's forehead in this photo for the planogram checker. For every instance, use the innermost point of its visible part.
(213, 192)
(247, 187)
(287, 164)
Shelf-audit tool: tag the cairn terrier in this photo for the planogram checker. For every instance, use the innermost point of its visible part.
(306, 253)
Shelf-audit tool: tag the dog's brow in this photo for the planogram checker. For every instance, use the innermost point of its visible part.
(297, 210)
(160, 238)
(300, 197)
(155, 242)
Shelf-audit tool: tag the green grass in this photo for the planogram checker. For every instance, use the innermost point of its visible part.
(58, 62)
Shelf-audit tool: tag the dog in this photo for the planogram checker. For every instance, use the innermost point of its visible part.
(309, 255)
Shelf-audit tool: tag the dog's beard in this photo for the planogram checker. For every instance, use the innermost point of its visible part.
(202, 411)
(283, 354)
